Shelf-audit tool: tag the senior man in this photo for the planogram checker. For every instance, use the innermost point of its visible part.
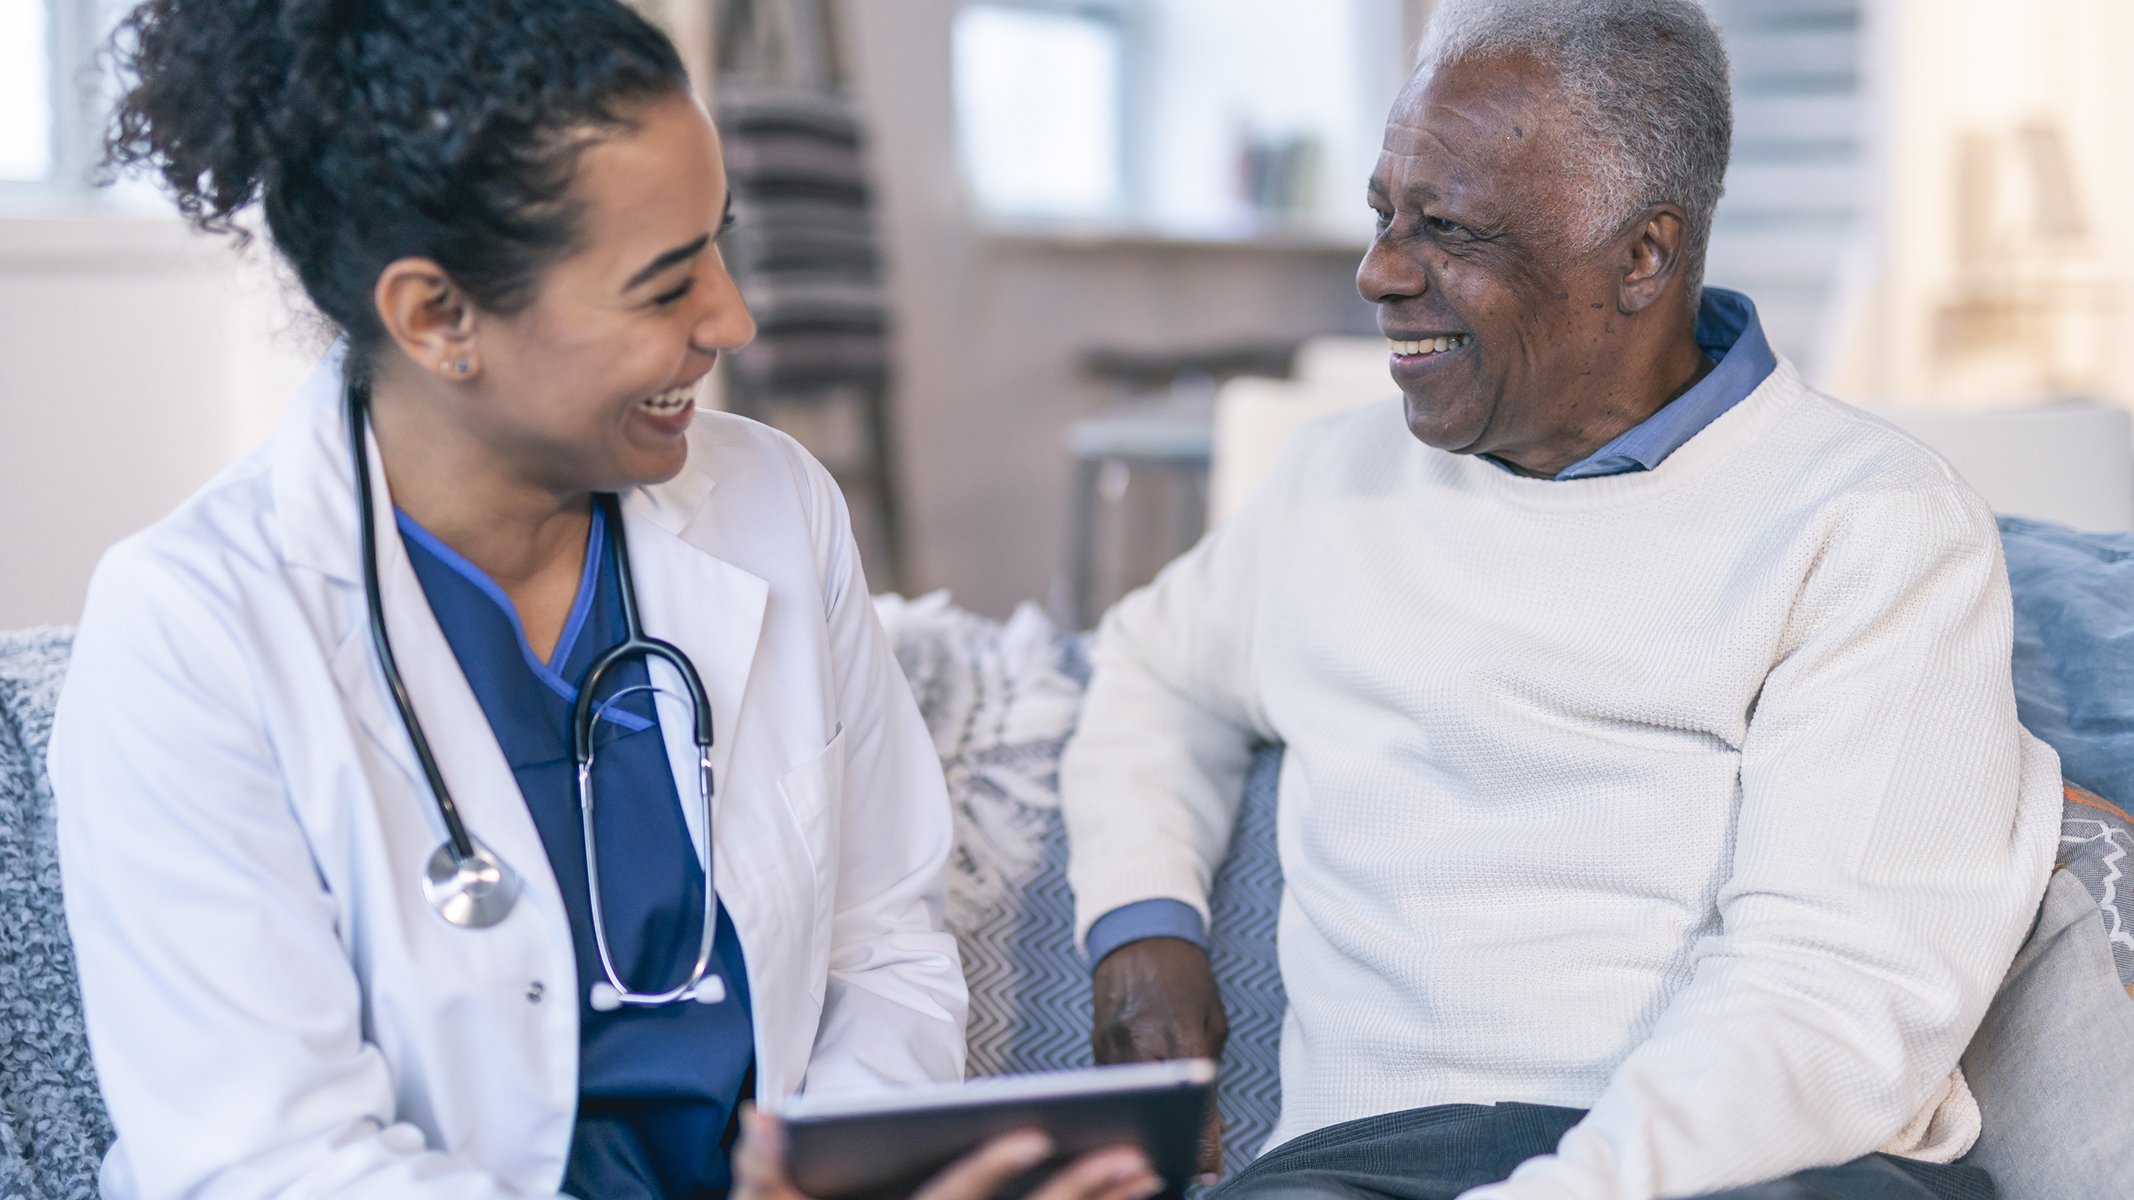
(1654, 817)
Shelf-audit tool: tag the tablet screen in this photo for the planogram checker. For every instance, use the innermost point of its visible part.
(885, 1145)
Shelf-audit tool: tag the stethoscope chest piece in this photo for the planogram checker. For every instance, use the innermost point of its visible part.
(473, 892)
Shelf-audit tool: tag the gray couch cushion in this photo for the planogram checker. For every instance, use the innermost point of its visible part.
(1030, 1005)
(2053, 1064)
(2096, 842)
(52, 1125)
(988, 692)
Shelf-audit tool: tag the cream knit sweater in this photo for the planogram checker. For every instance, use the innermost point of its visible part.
(1695, 797)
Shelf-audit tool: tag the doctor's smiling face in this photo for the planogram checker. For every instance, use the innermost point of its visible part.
(1512, 334)
(590, 386)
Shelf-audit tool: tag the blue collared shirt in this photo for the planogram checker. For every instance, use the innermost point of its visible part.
(656, 1087)
(1729, 331)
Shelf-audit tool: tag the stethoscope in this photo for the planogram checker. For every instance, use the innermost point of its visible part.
(465, 882)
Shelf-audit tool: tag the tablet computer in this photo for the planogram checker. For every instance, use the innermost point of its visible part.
(885, 1145)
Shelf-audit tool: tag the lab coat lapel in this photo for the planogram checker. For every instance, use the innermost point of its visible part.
(315, 502)
(713, 612)
(709, 609)
(464, 746)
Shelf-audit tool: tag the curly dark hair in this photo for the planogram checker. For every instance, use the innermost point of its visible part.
(372, 130)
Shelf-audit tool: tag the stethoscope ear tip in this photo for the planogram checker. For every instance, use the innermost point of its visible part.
(711, 990)
(605, 998)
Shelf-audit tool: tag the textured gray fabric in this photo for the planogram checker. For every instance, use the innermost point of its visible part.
(2053, 1064)
(52, 1124)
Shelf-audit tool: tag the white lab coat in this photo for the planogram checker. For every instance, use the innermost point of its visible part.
(274, 1010)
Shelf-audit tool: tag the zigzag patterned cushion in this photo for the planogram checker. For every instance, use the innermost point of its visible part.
(991, 696)
(2096, 837)
(1030, 1005)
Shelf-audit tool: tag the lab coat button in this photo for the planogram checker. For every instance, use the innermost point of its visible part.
(534, 992)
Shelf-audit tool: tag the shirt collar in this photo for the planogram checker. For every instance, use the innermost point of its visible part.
(1728, 330)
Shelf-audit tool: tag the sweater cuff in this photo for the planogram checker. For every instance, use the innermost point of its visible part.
(1144, 919)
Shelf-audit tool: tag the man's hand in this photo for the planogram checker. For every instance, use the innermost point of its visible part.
(1155, 999)
(1118, 1173)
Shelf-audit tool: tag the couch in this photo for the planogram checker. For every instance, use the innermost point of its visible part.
(2053, 1066)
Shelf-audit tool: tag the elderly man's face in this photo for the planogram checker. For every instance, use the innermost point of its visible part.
(1478, 245)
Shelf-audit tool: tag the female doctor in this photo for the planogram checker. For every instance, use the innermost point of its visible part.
(489, 783)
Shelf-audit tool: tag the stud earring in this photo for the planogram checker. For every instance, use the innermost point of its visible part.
(457, 368)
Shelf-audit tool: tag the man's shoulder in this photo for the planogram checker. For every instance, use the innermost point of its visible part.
(1342, 448)
(1838, 474)
(1851, 452)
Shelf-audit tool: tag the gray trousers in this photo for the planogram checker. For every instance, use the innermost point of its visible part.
(1436, 1153)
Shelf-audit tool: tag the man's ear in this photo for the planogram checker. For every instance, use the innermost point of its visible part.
(1652, 258)
(428, 317)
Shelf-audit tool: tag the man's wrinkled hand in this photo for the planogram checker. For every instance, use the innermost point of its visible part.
(1156, 999)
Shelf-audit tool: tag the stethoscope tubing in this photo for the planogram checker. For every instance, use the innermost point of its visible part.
(462, 842)
(584, 721)
(466, 884)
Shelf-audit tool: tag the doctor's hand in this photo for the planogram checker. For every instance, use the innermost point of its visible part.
(1156, 999)
(1117, 1173)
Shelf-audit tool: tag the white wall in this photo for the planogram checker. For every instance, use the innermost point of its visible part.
(136, 359)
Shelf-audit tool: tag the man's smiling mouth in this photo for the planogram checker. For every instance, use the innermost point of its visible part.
(1423, 347)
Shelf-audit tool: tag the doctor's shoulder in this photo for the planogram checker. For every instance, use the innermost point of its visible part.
(169, 633)
(210, 552)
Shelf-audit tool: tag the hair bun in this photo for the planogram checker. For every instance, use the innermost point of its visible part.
(372, 130)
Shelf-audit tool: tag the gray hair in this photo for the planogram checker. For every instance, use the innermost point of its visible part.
(1649, 80)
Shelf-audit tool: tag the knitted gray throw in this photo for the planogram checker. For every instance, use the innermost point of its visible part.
(52, 1124)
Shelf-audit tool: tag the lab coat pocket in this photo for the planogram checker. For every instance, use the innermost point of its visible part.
(813, 793)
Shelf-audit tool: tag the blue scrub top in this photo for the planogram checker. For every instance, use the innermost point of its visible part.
(657, 1088)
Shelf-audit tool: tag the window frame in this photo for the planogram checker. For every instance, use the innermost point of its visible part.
(1143, 57)
(1130, 18)
(79, 92)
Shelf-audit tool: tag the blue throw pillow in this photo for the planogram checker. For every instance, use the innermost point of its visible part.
(2074, 648)
(2074, 688)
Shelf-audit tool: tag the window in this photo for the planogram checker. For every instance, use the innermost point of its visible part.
(25, 92)
(1038, 110)
(54, 96)
(1196, 118)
